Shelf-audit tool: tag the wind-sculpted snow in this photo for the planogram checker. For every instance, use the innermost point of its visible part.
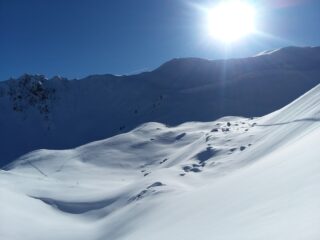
(233, 178)
(37, 113)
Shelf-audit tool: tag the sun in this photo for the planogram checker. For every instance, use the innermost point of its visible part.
(230, 21)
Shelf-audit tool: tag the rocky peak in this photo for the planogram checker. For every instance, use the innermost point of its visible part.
(30, 91)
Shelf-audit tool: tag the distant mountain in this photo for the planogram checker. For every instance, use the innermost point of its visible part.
(59, 113)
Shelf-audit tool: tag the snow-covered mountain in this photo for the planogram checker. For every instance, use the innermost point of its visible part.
(58, 113)
(233, 178)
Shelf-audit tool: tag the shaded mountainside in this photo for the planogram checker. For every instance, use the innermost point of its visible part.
(226, 179)
(59, 113)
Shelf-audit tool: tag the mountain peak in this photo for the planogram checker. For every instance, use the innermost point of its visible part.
(292, 50)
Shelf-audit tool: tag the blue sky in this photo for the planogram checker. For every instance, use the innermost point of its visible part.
(76, 38)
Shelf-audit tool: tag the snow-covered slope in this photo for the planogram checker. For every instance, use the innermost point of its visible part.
(234, 178)
(60, 114)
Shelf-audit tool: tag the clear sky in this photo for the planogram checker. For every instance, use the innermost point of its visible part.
(76, 38)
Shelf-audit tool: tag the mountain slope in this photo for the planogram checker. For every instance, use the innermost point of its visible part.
(234, 178)
(59, 114)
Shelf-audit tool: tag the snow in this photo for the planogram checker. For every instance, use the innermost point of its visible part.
(36, 113)
(233, 178)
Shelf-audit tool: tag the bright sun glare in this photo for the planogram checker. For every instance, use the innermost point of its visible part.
(230, 21)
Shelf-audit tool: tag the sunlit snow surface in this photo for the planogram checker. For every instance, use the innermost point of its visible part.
(234, 178)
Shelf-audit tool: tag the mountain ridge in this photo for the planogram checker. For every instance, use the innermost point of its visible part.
(39, 113)
(285, 50)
